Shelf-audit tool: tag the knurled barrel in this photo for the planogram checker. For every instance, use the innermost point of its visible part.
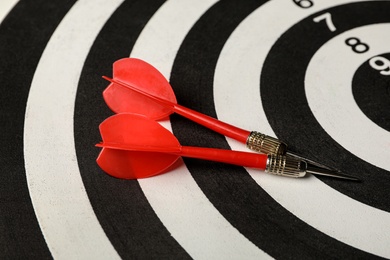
(265, 144)
(285, 166)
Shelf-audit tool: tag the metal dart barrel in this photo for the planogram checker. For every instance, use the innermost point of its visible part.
(285, 166)
(262, 143)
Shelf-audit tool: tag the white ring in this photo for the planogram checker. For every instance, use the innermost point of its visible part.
(61, 204)
(5, 7)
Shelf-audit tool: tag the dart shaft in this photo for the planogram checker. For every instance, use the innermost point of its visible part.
(216, 125)
(252, 160)
(254, 140)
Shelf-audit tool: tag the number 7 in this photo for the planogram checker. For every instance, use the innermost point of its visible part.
(328, 19)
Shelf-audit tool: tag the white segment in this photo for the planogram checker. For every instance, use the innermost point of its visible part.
(61, 204)
(175, 197)
(193, 221)
(5, 8)
(236, 88)
(161, 38)
(329, 92)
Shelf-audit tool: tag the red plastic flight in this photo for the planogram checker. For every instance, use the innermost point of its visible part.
(137, 147)
(138, 87)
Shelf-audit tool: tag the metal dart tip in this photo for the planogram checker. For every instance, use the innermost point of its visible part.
(330, 173)
(311, 162)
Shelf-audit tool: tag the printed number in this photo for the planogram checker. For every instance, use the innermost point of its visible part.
(357, 45)
(328, 19)
(304, 3)
(382, 64)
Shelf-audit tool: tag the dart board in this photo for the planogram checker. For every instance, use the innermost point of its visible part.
(315, 74)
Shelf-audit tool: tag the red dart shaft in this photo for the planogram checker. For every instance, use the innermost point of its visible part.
(252, 160)
(223, 128)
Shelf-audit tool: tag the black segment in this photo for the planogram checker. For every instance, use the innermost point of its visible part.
(120, 205)
(23, 36)
(371, 89)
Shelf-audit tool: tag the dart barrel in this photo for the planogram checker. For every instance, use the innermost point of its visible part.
(265, 144)
(286, 166)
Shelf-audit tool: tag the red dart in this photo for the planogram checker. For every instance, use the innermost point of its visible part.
(151, 95)
(137, 147)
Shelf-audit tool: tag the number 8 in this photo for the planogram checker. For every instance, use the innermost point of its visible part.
(356, 45)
